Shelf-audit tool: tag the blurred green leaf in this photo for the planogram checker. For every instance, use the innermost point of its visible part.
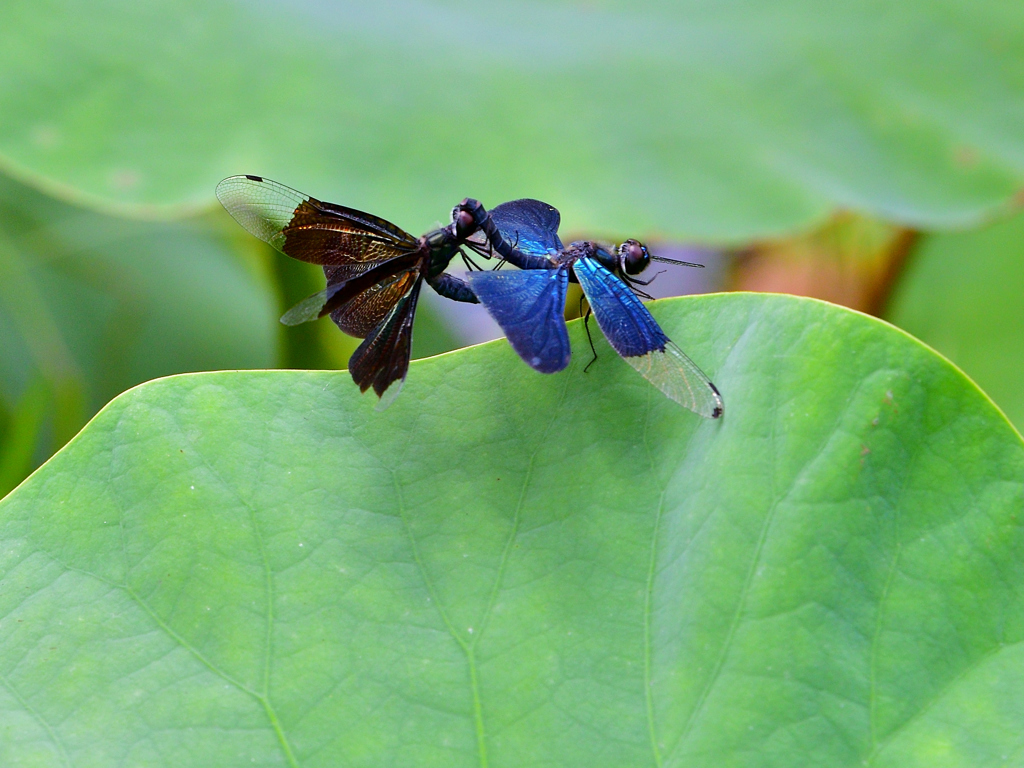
(308, 345)
(91, 305)
(963, 293)
(433, 335)
(258, 569)
(21, 428)
(708, 120)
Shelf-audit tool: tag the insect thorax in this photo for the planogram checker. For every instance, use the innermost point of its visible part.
(588, 249)
(442, 246)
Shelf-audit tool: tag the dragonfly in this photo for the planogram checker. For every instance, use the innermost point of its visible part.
(374, 269)
(529, 304)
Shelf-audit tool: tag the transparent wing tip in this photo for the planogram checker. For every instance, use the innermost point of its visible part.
(679, 378)
(718, 405)
(389, 395)
(306, 310)
(233, 184)
(705, 401)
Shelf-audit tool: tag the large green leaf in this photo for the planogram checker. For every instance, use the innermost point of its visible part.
(258, 569)
(91, 305)
(963, 293)
(701, 119)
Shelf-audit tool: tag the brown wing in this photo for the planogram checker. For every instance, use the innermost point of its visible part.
(357, 314)
(383, 358)
(360, 315)
(310, 230)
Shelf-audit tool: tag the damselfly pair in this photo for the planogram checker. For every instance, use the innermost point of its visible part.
(375, 271)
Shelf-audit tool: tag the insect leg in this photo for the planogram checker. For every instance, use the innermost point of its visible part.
(470, 264)
(509, 252)
(638, 281)
(586, 327)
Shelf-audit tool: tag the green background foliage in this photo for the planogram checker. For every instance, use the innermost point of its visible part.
(710, 120)
(255, 568)
(964, 293)
(91, 305)
(236, 569)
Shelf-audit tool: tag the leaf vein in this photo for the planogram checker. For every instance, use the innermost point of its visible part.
(268, 586)
(65, 759)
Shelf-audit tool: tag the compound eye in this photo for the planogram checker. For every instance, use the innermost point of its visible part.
(464, 223)
(634, 257)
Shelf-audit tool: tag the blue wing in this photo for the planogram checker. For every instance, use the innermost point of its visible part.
(529, 225)
(635, 335)
(530, 308)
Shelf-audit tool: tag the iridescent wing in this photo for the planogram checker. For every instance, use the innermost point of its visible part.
(529, 225)
(310, 230)
(635, 335)
(367, 309)
(376, 306)
(382, 360)
(529, 306)
(358, 304)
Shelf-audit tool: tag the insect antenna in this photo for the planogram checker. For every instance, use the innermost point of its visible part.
(678, 263)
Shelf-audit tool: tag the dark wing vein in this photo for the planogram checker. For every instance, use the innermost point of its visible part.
(634, 334)
(530, 308)
(311, 230)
